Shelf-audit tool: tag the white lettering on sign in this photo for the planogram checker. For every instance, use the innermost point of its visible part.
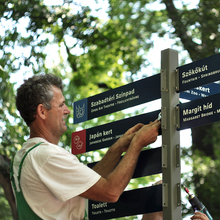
(125, 94)
(203, 89)
(97, 213)
(189, 80)
(100, 205)
(207, 114)
(109, 210)
(192, 111)
(100, 134)
(195, 71)
(103, 101)
(94, 136)
(191, 118)
(210, 74)
(199, 108)
(106, 100)
(107, 139)
(107, 132)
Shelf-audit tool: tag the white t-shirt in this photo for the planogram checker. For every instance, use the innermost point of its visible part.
(51, 180)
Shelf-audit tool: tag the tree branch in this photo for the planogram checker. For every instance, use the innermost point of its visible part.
(6, 184)
(181, 30)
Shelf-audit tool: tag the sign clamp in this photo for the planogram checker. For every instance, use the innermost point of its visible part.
(177, 155)
(164, 118)
(163, 75)
(177, 80)
(177, 117)
(164, 156)
(165, 194)
(178, 194)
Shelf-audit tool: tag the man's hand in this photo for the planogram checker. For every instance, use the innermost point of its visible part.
(124, 141)
(199, 216)
(147, 134)
(144, 135)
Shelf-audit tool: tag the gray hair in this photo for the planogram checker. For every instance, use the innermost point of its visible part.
(34, 91)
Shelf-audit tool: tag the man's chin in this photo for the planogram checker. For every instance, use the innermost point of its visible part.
(64, 129)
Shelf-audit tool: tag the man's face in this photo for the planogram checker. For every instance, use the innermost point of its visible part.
(57, 115)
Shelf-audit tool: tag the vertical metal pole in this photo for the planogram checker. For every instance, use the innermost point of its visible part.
(170, 137)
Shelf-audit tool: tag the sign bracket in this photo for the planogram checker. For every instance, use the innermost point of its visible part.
(177, 117)
(177, 155)
(163, 80)
(177, 80)
(165, 194)
(178, 194)
(163, 118)
(164, 156)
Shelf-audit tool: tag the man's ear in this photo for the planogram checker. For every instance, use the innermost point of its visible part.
(41, 111)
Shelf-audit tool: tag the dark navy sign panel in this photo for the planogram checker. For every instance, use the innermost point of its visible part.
(105, 135)
(200, 112)
(199, 73)
(132, 202)
(132, 94)
(201, 91)
(149, 163)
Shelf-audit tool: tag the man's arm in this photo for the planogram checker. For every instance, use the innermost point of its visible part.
(111, 158)
(110, 187)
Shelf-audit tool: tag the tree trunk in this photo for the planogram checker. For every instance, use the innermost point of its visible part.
(202, 140)
(6, 184)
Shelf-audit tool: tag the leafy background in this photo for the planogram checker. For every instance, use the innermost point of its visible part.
(98, 47)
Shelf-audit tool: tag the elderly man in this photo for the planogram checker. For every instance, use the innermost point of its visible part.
(49, 182)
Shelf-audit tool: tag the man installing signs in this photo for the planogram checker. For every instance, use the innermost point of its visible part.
(49, 182)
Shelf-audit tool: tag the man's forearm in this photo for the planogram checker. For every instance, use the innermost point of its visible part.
(123, 172)
(108, 162)
(112, 157)
(110, 188)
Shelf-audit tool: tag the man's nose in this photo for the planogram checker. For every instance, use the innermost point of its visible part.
(67, 111)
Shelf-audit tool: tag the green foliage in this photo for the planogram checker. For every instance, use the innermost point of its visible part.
(5, 213)
(93, 56)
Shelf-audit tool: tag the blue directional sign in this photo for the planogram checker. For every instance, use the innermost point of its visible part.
(200, 112)
(149, 163)
(104, 136)
(131, 202)
(201, 91)
(132, 94)
(199, 73)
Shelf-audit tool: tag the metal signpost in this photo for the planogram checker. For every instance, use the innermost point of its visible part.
(194, 82)
(170, 137)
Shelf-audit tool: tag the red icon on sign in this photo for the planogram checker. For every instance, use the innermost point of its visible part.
(79, 142)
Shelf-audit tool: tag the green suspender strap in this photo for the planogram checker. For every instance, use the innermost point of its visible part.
(24, 210)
